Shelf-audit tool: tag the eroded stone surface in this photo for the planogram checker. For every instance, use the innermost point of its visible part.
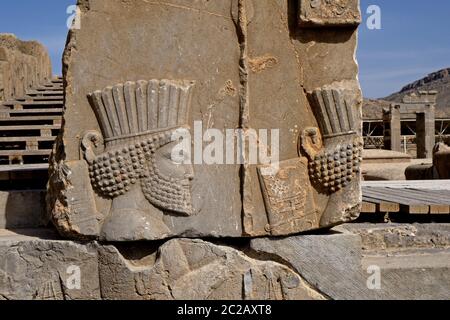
(331, 262)
(23, 65)
(412, 263)
(367, 261)
(413, 260)
(35, 266)
(325, 13)
(239, 64)
(441, 156)
(196, 270)
(393, 236)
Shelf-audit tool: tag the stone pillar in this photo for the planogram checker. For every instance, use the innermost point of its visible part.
(392, 134)
(426, 137)
(124, 113)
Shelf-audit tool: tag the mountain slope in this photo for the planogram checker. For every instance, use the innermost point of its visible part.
(439, 81)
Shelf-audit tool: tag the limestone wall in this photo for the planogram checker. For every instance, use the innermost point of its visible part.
(23, 65)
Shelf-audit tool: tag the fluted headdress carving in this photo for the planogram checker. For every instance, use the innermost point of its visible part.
(136, 120)
(135, 109)
(335, 113)
(335, 160)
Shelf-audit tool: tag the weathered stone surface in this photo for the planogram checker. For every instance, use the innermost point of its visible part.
(393, 236)
(414, 260)
(331, 263)
(438, 169)
(74, 207)
(194, 269)
(413, 263)
(35, 266)
(422, 171)
(441, 160)
(386, 164)
(416, 275)
(325, 13)
(175, 64)
(23, 65)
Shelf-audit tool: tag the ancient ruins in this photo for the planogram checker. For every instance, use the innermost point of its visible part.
(111, 166)
(128, 222)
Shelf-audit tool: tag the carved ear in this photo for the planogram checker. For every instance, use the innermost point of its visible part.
(92, 144)
(311, 141)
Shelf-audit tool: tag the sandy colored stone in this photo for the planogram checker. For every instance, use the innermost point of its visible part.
(331, 262)
(195, 270)
(225, 64)
(34, 265)
(326, 13)
(23, 65)
(412, 260)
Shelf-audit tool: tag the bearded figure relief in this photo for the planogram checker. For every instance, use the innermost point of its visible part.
(131, 161)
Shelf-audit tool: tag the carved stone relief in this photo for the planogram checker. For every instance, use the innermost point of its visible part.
(335, 159)
(320, 13)
(243, 75)
(131, 158)
(285, 190)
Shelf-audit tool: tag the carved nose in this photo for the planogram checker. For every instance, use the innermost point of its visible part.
(189, 174)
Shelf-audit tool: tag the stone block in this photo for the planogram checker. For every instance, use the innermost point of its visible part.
(35, 266)
(331, 262)
(185, 269)
(329, 13)
(368, 262)
(180, 66)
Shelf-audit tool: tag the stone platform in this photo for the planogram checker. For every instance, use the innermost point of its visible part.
(355, 261)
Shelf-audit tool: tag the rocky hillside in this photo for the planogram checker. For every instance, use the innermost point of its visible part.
(439, 81)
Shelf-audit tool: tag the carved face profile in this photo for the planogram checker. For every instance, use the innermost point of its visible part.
(137, 120)
(168, 184)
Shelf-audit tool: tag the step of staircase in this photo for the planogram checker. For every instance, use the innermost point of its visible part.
(28, 127)
(31, 111)
(41, 98)
(44, 94)
(25, 152)
(33, 103)
(54, 90)
(26, 139)
(16, 118)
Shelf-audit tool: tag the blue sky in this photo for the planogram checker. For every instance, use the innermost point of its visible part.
(413, 41)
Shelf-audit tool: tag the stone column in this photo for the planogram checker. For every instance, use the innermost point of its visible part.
(426, 137)
(392, 136)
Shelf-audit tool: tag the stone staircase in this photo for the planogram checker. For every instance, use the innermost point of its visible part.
(29, 126)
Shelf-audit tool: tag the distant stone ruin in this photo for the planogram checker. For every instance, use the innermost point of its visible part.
(23, 65)
(419, 108)
(31, 105)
